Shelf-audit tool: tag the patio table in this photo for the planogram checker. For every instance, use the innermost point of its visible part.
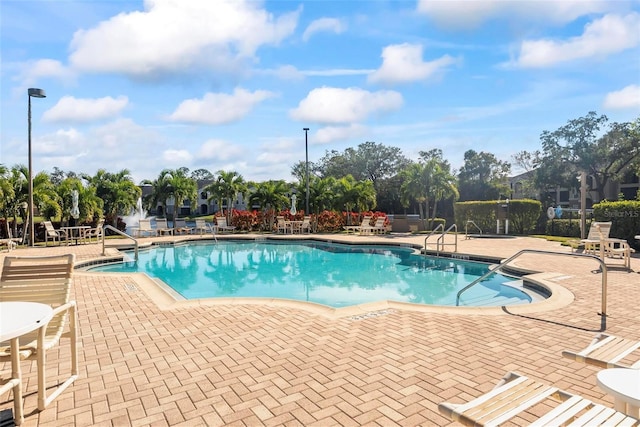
(18, 318)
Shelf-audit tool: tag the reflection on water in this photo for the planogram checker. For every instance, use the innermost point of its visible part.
(331, 274)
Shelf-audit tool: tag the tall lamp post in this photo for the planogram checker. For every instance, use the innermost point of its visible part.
(583, 204)
(306, 151)
(36, 93)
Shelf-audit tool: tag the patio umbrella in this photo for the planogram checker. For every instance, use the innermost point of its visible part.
(75, 212)
(293, 205)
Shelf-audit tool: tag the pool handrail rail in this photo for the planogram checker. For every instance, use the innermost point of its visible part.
(466, 228)
(500, 266)
(438, 227)
(112, 228)
(441, 238)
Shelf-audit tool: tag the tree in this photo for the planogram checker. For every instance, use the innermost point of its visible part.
(226, 186)
(118, 192)
(428, 181)
(201, 175)
(482, 177)
(270, 196)
(172, 183)
(354, 194)
(579, 147)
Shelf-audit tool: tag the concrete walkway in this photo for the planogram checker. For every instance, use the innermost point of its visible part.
(142, 363)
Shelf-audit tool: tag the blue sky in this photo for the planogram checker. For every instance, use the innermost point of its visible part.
(230, 85)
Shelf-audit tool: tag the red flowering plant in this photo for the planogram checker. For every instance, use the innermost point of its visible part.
(329, 221)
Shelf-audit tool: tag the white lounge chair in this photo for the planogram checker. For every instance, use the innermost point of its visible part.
(46, 280)
(50, 233)
(598, 233)
(180, 227)
(366, 223)
(145, 229)
(204, 227)
(608, 351)
(515, 394)
(162, 227)
(221, 225)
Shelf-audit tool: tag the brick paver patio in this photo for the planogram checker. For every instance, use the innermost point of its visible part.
(283, 364)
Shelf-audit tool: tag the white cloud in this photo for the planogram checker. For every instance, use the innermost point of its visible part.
(31, 72)
(71, 109)
(466, 14)
(217, 108)
(177, 157)
(172, 36)
(323, 24)
(403, 64)
(329, 134)
(337, 105)
(627, 97)
(217, 149)
(605, 36)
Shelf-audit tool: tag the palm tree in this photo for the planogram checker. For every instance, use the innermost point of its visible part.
(118, 192)
(270, 196)
(226, 186)
(416, 180)
(443, 187)
(322, 193)
(355, 194)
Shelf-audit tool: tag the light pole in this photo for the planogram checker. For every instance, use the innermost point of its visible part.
(583, 204)
(306, 151)
(36, 93)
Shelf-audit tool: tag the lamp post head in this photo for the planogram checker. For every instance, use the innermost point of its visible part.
(305, 129)
(36, 93)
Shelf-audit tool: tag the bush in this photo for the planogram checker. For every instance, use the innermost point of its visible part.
(624, 216)
(563, 227)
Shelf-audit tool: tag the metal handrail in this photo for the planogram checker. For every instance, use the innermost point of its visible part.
(603, 266)
(444, 233)
(110, 227)
(439, 226)
(466, 228)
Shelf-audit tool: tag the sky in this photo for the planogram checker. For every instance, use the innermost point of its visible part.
(230, 85)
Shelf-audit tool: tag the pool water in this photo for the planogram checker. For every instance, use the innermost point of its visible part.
(326, 273)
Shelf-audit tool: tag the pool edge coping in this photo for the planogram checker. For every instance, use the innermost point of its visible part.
(166, 298)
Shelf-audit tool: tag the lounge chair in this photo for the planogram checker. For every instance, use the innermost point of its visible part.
(50, 233)
(45, 280)
(180, 227)
(515, 394)
(608, 351)
(203, 227)
(366, 223)
(221, 225)
(162, 227)
(598, 233)
(97, 232)
(145, 229)
(378, 228)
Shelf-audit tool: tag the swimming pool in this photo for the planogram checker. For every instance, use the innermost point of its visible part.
(335, 275)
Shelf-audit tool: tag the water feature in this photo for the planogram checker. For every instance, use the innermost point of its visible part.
(133, 219)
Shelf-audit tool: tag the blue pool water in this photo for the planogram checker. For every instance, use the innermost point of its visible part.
(326, 273)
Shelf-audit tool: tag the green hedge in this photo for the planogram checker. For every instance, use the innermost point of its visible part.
(523, 215)
(624, 216)
(564, 227)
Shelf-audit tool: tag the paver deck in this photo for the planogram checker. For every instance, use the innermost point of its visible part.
(270, 364)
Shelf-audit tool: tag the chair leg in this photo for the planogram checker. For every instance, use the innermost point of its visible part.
(43, 399)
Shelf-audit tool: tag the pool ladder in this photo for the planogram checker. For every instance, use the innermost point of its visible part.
(440, 243)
